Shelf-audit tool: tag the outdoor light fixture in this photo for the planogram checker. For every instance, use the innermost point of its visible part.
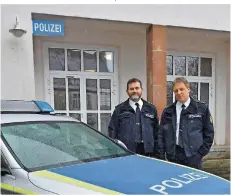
(17, 31)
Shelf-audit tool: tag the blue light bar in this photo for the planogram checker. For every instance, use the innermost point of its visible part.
(20, 106)
(44, 106)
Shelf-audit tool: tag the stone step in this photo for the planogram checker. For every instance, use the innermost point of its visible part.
(222, 173)
(216, 164)
(217, 171)
(219, 167)
(217, 155)
(225, 176)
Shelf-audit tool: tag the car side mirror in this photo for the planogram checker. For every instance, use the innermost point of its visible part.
(121, 143)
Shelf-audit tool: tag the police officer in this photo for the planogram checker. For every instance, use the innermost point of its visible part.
(135, 121)
(186, 129)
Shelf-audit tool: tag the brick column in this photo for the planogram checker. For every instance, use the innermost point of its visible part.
(227, 134)
(156, 66)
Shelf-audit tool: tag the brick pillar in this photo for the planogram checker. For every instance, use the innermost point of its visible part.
(156, 67)
(227, 134)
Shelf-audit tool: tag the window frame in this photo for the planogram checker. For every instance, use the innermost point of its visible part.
(49, 74)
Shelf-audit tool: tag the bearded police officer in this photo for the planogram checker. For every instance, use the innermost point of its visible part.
(186, 129)
(135, 121)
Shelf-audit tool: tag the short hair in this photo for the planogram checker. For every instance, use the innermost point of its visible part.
(133, 80)
(181, 80)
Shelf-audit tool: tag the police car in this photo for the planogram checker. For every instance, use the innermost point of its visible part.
(43, 153)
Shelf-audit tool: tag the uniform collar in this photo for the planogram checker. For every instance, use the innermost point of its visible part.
(132, 103)
(186, 103)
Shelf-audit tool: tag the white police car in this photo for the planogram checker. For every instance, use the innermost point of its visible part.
(42, 153)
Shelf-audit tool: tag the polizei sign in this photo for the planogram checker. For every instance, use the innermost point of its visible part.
(48, 28)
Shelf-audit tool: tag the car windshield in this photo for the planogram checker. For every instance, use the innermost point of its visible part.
(48, 144)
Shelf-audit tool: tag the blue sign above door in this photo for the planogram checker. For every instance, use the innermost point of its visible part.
(48, 28)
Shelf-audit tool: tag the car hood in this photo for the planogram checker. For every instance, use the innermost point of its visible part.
(129, 175)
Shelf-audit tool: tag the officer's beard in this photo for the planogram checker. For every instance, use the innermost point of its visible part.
(135, 98)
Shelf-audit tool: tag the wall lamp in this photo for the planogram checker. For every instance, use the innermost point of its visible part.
(17, 31)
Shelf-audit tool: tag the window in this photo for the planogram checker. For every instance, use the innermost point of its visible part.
(81, 82)
(64, 59)
(197, 69)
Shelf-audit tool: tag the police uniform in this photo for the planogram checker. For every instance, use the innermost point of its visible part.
(136, 126)
(185, 140)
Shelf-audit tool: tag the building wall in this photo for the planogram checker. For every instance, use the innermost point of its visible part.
(23, 78)
(17, 66)
(20, 51)
(128, 39)
(228, 94)
(205, 16)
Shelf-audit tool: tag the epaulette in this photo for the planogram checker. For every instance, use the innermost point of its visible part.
(198, 101)
(201, 102)
(150, 102)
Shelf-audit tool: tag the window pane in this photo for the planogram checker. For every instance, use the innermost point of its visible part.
(91, 91)
(169, 65)
(74, 60)
(90, 61)
(193, 63)
(206, 67)
(76, 116)
(204, 93)
(56, 59)
(104, 120)
(106, 61)
(59, 94)
(74, 93)
(194, 90)
(92, 120)
(105, 94)
(169, 92)
(180, 65)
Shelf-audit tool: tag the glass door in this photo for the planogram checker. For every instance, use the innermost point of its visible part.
(86, 98)
(66, 95)
(99, 98)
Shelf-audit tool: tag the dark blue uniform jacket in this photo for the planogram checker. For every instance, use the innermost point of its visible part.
(123, 125)
(197, 130)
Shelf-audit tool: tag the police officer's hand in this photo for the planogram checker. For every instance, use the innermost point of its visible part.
(194, 160)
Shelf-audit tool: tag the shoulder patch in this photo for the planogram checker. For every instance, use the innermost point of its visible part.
(211, 119)
(149, 102)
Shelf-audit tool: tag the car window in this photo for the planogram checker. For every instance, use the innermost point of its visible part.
(43, 144)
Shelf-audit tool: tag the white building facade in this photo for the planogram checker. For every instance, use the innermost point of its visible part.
(83, 73)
